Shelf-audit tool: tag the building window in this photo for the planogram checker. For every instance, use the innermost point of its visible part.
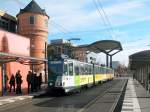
(31, 20)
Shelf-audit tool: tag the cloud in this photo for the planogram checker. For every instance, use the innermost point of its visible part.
(82, 15)
(131, 48)
(73, 15)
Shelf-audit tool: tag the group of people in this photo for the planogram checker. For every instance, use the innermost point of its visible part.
(34, 82)
(17, 79)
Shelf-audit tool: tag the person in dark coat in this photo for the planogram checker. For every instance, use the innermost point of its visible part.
(39, 81)
(32, 82)
(29, 80)
(35, 82)
(18, 82)
(12, 82)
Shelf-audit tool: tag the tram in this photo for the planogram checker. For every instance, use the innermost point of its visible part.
(69, 74)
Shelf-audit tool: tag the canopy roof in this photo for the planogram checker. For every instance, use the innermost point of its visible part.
(139, 59)
(110, 47)
(7, 57)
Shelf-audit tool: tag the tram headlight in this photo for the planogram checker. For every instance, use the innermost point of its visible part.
(50, 84)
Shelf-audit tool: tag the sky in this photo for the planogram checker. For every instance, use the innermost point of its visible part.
(129, 22)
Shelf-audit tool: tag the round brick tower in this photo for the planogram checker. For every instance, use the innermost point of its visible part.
(33, 23)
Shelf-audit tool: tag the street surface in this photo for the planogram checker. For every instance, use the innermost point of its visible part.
(77, 102)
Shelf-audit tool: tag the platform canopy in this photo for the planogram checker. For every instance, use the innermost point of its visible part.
(139, 59)
(106, 46)
(27, 60)
(109, 47)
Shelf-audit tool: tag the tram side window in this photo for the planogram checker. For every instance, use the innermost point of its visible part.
(96, 70)
(65, 69)
(107, 71)
(82, 69)
(77, 70)
(71, 69)
(103, 71)
(99, 70)
(86, 69)
(91, 69)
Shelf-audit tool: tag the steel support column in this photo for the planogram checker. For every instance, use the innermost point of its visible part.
(110, 61)
(107, 60)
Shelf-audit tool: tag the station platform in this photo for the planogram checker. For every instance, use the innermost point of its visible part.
(136, 99)
(10, 98)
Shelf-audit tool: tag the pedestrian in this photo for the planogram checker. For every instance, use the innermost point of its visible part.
(32, 81)
(35, 82)
(39, 81)
(12, 82)
(29, 79)
(18, 82)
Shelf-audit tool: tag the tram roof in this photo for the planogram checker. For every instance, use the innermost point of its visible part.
(110, 47)
(139, 59)
(8, 57)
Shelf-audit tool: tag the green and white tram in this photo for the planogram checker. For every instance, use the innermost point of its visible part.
(70, 74)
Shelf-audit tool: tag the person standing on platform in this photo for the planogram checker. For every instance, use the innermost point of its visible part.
(12, 82)
(39, 81)
(32, 81)
(29, 80)
(35, 82)
(18, 82)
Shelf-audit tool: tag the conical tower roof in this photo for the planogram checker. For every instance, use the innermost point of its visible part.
(33, 7)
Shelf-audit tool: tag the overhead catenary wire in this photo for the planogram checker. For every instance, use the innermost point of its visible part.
(60, 26)
(103, 18)
(59, 29)
(106, 16)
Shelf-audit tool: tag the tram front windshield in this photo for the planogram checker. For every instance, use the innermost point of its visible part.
(56, 69)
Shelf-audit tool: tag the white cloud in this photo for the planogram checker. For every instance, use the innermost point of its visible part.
(131, 48)
(82, 15)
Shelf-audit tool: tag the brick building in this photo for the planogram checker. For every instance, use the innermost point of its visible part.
(26, 46)
(33, 23)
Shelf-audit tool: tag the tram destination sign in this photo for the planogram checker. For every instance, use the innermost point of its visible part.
(55, 62)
